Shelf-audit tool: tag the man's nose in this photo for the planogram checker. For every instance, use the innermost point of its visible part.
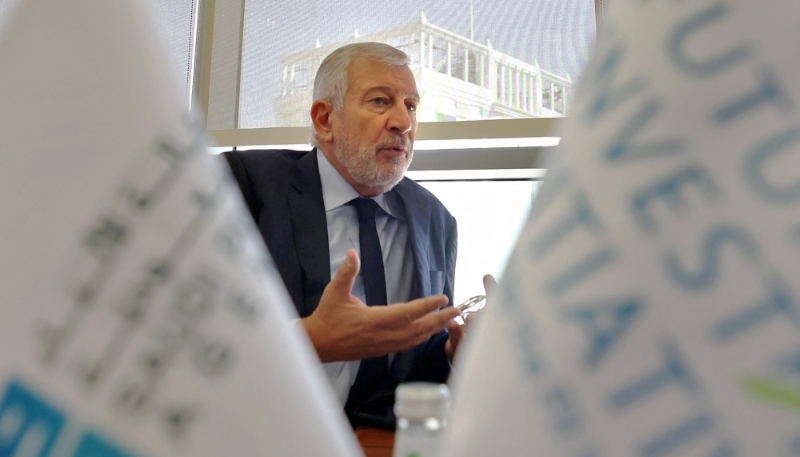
(400, 119)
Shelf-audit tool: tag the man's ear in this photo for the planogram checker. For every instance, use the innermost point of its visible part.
(321, 112)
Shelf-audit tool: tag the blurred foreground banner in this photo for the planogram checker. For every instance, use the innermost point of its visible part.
(140, 313)
(652, 305)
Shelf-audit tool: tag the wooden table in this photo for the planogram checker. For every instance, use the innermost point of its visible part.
(375, 442)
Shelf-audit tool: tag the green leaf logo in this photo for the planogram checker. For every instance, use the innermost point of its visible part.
(772, 391)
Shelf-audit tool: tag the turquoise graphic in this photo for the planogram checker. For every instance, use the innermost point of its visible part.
(30, 427)
(93, 445)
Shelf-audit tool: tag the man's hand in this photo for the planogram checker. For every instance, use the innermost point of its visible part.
(344, 328)
(458, 332)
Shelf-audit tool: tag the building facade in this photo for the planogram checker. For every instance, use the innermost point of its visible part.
(459, 79)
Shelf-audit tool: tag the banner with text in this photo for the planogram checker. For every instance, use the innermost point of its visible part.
(141, 314)
(652, 304)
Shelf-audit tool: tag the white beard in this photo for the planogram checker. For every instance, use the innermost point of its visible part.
(362, 164)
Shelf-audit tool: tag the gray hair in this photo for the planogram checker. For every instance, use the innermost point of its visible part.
(330, 83)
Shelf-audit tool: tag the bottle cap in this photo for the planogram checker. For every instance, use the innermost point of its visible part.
(420, 400)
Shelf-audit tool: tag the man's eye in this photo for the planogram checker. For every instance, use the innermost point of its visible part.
(379, 101)
(411, 107)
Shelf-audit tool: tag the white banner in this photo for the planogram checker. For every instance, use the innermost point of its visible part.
(651, 307)
(140, 312)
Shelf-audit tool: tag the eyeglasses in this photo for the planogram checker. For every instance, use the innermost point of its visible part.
(473, 305)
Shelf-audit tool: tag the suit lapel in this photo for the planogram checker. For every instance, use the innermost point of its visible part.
(416, 215)
(310, 229)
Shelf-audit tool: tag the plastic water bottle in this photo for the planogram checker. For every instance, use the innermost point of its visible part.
(422, 409)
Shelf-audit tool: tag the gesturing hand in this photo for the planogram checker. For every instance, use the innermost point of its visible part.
(457, 332)
(344, 328)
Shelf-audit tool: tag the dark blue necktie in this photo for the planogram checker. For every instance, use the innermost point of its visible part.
(373, 372)
(371, 254)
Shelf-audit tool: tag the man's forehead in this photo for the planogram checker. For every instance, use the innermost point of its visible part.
(365, 75)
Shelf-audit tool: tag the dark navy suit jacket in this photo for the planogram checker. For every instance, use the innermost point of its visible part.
(283, 192)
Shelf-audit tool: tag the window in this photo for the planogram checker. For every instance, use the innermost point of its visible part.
(476, 52)
(490, 215)
(474, 68)
(175, 21)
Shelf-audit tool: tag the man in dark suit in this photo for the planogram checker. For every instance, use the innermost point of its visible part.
(317, 209)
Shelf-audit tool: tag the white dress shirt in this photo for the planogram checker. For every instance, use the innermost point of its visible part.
(398, 262)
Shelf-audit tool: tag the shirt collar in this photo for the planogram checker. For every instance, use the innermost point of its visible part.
(336, 191)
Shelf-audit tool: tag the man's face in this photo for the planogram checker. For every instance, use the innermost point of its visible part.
(374, 131)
